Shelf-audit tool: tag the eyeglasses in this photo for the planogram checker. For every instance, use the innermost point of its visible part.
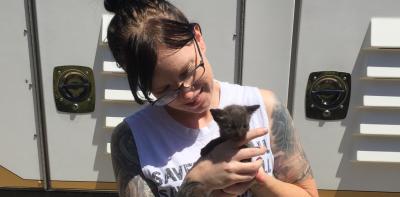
(189, 82)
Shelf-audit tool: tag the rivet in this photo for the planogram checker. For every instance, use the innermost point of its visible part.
(75, 106)
(234, 36)
(326, 113)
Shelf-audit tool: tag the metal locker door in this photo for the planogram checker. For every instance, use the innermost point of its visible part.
(267, 45)
(336, 36)
(19, 129)
(71, 33)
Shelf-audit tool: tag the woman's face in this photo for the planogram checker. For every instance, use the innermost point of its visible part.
(173, 66)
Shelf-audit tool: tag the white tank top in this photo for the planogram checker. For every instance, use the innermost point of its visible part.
(167, 149)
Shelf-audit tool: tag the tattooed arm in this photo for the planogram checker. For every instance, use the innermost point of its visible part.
(192, 189)
(292, 171)
(131, 181)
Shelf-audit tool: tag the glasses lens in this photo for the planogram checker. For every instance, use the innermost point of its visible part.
(167, 98)
(193, 76)
(189, 84)
(198, 74)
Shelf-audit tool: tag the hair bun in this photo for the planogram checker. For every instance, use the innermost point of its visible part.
(113, 5)
(117, 6)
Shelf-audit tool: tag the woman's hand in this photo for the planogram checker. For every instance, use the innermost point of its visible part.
(223, 168)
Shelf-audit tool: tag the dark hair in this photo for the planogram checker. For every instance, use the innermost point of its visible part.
(136, 31)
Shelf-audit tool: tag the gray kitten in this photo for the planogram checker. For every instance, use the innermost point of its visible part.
(233, 122)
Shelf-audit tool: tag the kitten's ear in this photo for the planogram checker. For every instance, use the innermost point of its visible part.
(252, 108)
(217, 114)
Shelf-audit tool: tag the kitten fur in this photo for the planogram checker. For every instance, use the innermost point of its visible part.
(233, 122)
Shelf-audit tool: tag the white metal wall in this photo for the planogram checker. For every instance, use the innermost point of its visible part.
(267, 45)
(68, 35)
(18, 144)
(360, 152)
(335, 35)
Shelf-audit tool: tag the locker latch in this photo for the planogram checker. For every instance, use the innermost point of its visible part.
(328, 95)
(74, 89)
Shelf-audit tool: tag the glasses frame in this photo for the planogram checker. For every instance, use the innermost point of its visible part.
(171, 95)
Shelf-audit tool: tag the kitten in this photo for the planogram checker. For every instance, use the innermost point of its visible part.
(233, 122)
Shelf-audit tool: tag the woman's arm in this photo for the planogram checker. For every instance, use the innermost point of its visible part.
(292, 170)
(127, 170)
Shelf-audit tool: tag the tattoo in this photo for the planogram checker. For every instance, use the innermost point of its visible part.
(131, 181)
(291, 164)
(192, 189)
(136, 187)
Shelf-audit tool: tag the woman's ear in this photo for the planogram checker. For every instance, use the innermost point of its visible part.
(199, 38)
(217, 114)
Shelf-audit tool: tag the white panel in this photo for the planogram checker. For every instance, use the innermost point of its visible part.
(74, 39)
(112, 67)
(381, 101)
(378, 156)
(118, 95)
(112, 122)
(108, 148)
(267, 45)
(106, 20)
(385, 32)
(379, 129)
(331, 35)
(122, 95)
(18, 144)
(383, 72)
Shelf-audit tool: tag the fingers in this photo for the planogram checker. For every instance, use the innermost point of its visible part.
(261, 176)
(247, 153)
(247, 169)
(252, 134)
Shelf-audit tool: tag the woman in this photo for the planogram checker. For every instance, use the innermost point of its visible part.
(164, 56)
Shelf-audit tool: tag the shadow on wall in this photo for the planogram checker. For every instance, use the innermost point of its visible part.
(353, 174)
(105, 108)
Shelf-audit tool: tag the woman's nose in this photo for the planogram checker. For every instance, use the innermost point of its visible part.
(187, 94)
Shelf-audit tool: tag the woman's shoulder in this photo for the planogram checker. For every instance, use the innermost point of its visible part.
(270, 99)
(236, 89)
(122, 142)
(142, 112)
(268, 96)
